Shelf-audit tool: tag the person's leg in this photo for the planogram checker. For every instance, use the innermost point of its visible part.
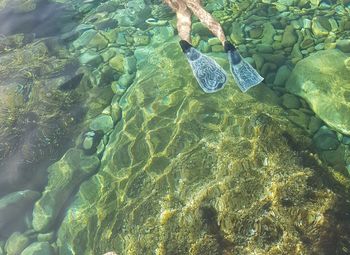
(206, 18)
(209, 75)
(183, 16)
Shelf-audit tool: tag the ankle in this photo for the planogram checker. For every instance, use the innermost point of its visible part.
(185, 45)
(228, 46)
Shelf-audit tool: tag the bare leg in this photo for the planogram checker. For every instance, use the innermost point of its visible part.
(183, 16)
(206, 18)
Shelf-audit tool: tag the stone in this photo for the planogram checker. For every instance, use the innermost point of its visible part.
(108, 54)
(84, 39)
(139, 40)
(88, 143)
(90, 58)
(134, 13)
(215, 5)
(320, 26)
(306, 23)
(344, 45)
(117, 63)
(106, 24)
(64, 177)
(296, 52)
(200, 29)
(102, 123)
(299, 118)
(195, 40)
(264, 48)
(16, 243)
(314, 125)
(325, 139)
(268, 34)
(204, 47)
(91, 140)
(14, 206)
(126, 80)
(236, 33)
(116, 111)
(47, 237)
(335, 158)
(98, 42)
(161, 34)
(256, 32)
(289, 37)
(319, 46)
(214, 41)
(282, 76)
(217, 48)
(117, 88)
(39, 248)
(121, 40)
(346, 140)
(323, 80)
(130, 64)
(259, 61)
(290, 101)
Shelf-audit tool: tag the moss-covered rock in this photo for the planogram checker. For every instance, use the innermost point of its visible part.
(39, 104)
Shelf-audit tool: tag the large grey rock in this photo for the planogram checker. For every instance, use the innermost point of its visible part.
(64, 177)
(323, 80)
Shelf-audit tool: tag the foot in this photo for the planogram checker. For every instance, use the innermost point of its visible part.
(244, 74)
(210, 76)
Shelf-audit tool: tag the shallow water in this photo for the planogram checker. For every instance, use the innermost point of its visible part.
(108, 143)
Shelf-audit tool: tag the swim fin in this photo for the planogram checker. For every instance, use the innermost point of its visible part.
(210, 76)
(243, 73)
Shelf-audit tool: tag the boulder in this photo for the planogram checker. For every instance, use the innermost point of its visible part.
(65, 177)
(323, 80)
(14, 206)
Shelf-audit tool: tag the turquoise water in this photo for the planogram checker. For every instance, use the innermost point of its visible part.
(108, 143)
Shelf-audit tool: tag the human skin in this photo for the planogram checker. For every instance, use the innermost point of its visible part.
(183, 10)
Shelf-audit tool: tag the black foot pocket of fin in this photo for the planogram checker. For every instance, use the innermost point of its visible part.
(210, 76)
(244, 74)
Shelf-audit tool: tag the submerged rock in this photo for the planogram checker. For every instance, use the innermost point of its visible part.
(64, 177)
(186, 172)
(38, 107)
(323, 80)
(39, 248)
(16, 243)
(325, 139)
(14, 206)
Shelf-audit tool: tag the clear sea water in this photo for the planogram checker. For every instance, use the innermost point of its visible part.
(108, 145)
